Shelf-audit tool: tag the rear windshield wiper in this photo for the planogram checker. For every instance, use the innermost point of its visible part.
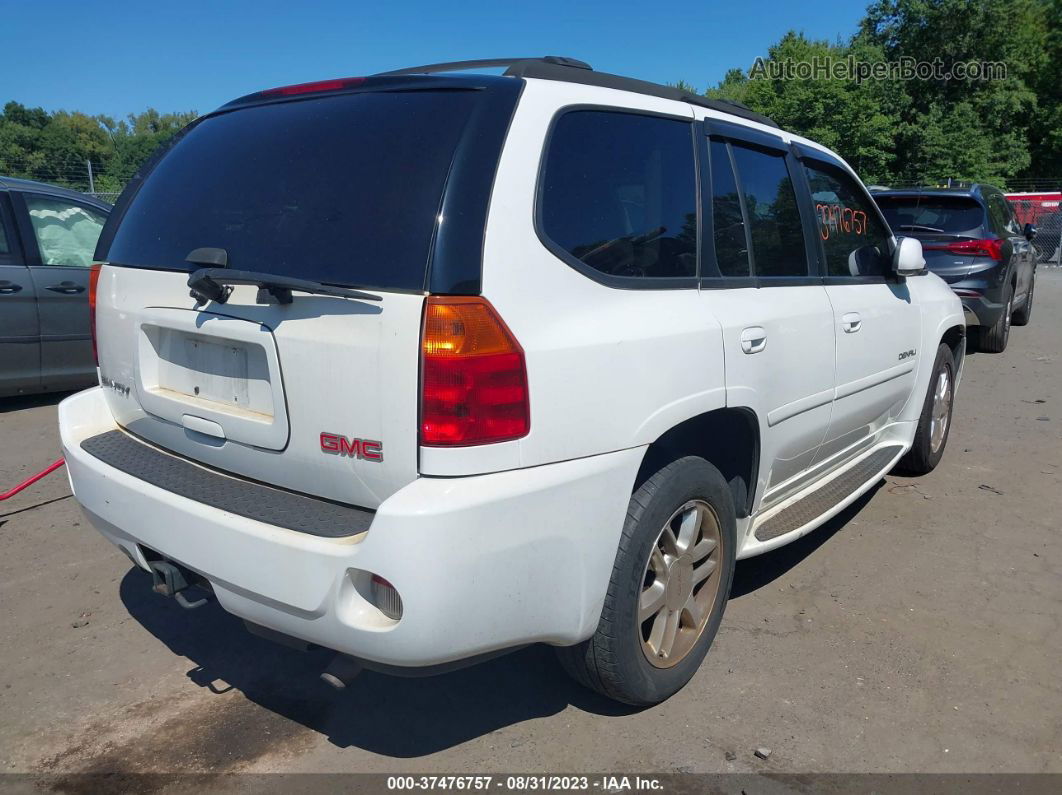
(919, 227)
(214, 284)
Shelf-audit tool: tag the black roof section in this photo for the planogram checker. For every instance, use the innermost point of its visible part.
(572, 70)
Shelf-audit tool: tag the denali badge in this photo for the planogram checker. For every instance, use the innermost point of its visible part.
(365, 449)
(907, 354)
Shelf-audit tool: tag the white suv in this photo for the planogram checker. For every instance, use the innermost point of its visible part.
(476, 361)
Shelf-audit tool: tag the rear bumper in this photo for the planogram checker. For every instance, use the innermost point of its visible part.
(981, 311)
(481, 563)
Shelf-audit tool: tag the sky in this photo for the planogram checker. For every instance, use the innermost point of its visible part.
(115, 57)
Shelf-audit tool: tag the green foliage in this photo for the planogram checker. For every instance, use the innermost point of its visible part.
(54, 147)
(900, 131)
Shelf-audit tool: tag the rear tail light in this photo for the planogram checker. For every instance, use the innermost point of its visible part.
(964, 293)
(473, 375)
(94, 279)
(970, 248)
(386, 598)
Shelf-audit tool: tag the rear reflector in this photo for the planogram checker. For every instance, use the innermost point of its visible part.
(970, 248)
(473, 376)
(94, 278)
(386, 598)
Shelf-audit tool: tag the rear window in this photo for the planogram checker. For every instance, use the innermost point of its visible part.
(952, 215)
(342, 190)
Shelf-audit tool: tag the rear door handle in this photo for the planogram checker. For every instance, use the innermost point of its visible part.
(753, 339)
(851, 322)
(66, 288)
(7, 287)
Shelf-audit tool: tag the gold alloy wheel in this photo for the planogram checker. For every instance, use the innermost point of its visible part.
(679, 591)
(940, 412)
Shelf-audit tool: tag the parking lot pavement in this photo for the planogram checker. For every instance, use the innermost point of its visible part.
(920, 630)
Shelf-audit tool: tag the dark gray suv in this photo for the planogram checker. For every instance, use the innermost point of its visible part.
(972, 240)
(47, 238)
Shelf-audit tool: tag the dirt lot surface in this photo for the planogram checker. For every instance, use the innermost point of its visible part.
(918, 631)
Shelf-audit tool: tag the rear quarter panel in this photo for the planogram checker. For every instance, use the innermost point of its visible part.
(608, 368)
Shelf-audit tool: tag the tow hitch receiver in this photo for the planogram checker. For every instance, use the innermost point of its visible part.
(171, 580)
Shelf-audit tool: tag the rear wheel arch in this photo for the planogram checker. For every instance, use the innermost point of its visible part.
(954, 338)
(728, 438)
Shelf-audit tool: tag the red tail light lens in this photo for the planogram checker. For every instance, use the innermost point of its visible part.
(94, 279)
(970, 248)
(473, 375)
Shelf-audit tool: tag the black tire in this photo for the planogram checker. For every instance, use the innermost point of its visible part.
(993, 339)
(612, 661)
(922, 458)
(1021, 317)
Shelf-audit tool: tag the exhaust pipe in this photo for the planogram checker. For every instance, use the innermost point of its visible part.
(341, 671)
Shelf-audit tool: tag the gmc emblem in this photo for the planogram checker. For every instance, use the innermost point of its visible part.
(364, 449)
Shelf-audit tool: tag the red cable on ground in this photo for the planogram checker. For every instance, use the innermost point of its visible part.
(30, 481)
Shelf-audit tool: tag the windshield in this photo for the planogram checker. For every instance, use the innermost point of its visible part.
(955, 215)
(341, 189)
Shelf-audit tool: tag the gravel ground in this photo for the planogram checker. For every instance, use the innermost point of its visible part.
(918, 631)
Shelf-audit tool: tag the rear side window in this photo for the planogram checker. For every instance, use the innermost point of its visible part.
(343, 189)
(773, 214)
(619, 194)
(66, 232)
(954, 215)
(854, 240)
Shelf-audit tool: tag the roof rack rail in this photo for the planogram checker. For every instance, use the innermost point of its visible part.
(485, 63)
(572, 70)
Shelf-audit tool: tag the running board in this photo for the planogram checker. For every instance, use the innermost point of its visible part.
(817, 502)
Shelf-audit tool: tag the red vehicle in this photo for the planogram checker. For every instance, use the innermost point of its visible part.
(1044, 211)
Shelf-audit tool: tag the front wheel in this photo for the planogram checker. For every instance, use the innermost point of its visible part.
(669, 587)
(934, 423)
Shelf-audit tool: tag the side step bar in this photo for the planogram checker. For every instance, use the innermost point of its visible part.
(817, 502)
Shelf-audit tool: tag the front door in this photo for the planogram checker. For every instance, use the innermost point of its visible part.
(776, 319)
(877, 325)
(64, 233)
(20, 348)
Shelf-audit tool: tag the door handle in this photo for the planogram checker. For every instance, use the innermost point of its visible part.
(851, 322)
(66, 288)
(753, 339)
(7, 287)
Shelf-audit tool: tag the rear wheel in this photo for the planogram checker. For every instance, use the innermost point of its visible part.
(1024, 315)
(934, 423)
(993, 339)
(668, 590)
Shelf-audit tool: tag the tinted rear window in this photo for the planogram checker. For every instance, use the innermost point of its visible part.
(930, 214)
(342, 189)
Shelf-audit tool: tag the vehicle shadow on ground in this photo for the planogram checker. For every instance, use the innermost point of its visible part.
(397, 717)
(20, 402)
(392, 716)
(754, 573)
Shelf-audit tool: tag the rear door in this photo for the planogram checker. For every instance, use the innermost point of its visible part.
(759, 283)
(20, 348)
(61, 235)
(319, 395)
(877, 324)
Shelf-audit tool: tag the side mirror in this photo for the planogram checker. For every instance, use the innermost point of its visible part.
(1029, 232)
(907, 259)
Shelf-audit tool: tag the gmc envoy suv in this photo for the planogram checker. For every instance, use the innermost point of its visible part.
(429, 365)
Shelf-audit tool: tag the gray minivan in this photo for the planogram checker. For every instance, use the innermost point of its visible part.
(47, 237)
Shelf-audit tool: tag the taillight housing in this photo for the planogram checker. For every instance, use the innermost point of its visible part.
(970, 248)
(94, 280)
(473, 378)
